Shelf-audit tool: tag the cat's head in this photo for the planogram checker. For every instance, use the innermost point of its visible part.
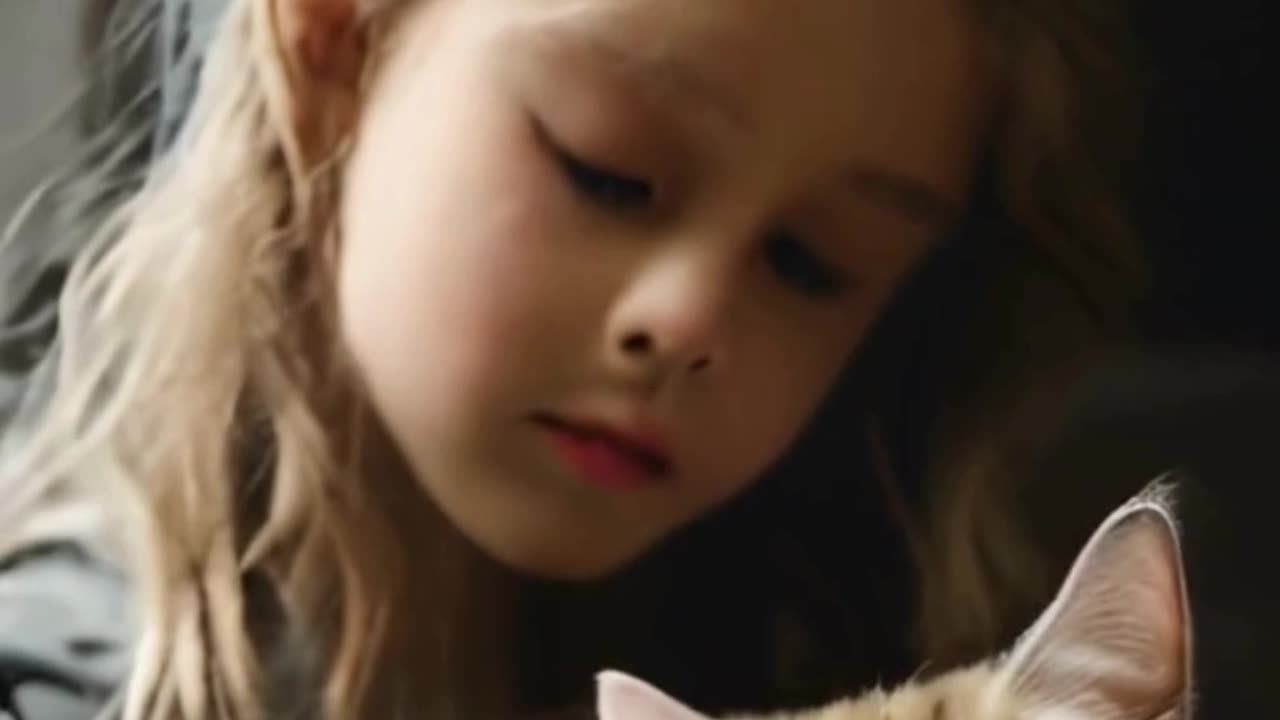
(1115, 644)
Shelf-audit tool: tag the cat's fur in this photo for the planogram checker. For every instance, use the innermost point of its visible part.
(1115, 644)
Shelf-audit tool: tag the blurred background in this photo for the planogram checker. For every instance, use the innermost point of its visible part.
(39, 57)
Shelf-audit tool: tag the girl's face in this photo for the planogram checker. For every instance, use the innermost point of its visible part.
(602, 260)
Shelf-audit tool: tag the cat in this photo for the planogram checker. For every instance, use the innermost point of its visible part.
(1114, 644)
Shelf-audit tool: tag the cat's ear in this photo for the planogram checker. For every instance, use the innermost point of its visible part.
(1116, 642)
(622, 697)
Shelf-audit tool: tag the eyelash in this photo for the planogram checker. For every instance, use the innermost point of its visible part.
(801, 268)
(794, 264)
(605, 188)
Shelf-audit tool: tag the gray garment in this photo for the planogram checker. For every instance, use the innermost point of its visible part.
(65, 633)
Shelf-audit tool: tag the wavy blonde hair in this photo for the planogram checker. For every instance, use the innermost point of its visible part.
(196, 373)
(196, 321)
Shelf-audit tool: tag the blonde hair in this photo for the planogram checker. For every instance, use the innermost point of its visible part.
(196, 372)
(1065, 158)
(195, 322)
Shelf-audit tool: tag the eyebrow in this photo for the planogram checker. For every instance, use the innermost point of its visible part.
(669, 76)
(909, 196)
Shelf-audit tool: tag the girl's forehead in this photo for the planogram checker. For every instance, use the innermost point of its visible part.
(678, 71)
(729, 29)
(909, 77)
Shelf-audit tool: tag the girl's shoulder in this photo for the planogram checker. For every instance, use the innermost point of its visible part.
(66, 632)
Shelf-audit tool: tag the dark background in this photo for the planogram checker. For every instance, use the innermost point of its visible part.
(1211, 207)
(1211, 401)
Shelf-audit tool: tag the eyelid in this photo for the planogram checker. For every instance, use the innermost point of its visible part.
(601, 182)
(615, 191)
(837, 278)
(614, 129)
(563, 148)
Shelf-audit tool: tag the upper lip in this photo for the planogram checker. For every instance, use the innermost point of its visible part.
(643, 443)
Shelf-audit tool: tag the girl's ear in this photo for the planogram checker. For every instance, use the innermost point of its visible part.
(622, 697)
(1116, 642)
(325, 48)
(321, 37)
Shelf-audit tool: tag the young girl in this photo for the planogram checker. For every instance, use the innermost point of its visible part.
(444, 319)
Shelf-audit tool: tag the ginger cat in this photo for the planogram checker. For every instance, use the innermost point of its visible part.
(1115, 644)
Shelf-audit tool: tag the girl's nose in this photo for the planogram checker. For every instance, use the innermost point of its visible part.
(670, 318)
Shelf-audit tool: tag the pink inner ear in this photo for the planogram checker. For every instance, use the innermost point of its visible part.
(622, 697)
(1116, 640)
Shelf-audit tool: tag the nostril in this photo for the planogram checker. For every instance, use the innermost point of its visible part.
(637, 343)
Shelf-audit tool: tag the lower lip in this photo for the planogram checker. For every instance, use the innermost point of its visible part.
(600, 464)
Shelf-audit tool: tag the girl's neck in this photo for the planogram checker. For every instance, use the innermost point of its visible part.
(452, 629)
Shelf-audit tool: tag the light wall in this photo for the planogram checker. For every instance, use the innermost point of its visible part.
(38, 57)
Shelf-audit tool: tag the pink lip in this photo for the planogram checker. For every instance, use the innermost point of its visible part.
(607, 456)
